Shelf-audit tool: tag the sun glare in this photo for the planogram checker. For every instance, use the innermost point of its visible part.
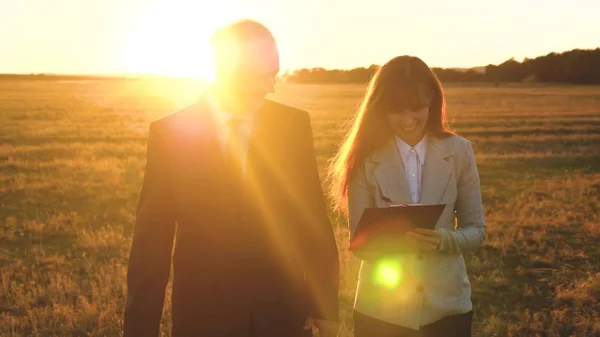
(171, 38)
(388, 273)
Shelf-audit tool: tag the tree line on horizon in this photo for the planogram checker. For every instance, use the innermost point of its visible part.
(578, 66)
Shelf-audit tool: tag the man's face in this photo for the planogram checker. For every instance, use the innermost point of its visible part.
(254, 75)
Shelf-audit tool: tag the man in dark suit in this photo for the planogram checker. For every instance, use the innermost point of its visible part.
(233, 180)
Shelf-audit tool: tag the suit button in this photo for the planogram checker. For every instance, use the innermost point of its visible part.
(244, 218)
(420, 288)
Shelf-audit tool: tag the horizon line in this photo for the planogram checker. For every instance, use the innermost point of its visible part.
(283, 73)
(158, 75)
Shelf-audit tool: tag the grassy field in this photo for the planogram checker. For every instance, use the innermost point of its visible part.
(72, 160)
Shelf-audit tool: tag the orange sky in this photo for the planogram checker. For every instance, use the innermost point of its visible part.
(170, 36)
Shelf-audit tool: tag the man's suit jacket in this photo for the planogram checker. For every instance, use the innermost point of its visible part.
(431, 285)
(253, 253)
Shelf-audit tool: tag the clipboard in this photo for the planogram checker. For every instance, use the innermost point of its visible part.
(380, 229)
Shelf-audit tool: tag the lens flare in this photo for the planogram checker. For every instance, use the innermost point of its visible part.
(388, 273)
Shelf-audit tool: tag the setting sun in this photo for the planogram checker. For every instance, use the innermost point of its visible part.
(171, 38)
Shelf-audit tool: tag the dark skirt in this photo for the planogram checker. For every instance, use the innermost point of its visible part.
(451, 326)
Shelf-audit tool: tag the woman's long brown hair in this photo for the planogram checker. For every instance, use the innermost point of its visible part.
(403, 83)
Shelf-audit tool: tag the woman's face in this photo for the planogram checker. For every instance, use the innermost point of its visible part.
(410, 126)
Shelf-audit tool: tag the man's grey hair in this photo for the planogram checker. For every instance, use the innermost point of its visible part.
(229, 42)
(241, 32)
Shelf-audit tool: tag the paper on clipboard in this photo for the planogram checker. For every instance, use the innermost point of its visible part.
(380, 229)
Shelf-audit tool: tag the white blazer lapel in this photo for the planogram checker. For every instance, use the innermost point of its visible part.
(436, 170)
(390, 174)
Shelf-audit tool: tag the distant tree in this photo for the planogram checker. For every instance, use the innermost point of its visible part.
(575, 66)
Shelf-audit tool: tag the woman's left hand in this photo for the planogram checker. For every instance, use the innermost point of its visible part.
(425, 239)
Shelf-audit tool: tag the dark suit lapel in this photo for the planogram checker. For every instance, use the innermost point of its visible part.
(200, 166)
(206, 142)
(202, 170)
(258, 143)
(436, 171)
(262, 153)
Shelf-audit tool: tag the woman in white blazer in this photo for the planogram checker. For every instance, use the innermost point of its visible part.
(400, 150)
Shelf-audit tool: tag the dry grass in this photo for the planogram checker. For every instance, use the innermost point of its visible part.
(71, 164)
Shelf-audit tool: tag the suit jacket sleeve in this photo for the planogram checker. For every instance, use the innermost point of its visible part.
(359, 199)
(150, 257)
(469, 206)
(320, 249)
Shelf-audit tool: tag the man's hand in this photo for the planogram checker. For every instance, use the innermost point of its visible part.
(425, 239)
(326, 328)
